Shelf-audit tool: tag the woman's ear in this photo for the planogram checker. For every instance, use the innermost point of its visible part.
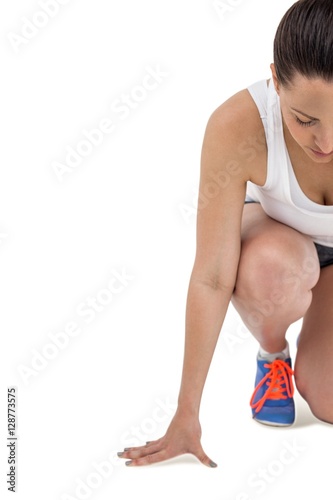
(275, 80)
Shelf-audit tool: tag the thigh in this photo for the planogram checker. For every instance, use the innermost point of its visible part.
(272, 249)
(256, 223)
(277, 269)
(315, 349)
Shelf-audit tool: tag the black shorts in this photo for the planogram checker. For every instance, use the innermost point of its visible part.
(325, 254)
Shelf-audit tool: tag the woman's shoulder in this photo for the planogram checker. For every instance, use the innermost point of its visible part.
(237, 126)
(238, 115)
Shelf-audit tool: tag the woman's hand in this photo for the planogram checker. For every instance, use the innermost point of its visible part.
(183, 436)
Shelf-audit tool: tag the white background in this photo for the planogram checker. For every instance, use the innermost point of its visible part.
(129, 207)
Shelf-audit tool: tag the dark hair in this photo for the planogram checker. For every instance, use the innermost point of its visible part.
(304, 41)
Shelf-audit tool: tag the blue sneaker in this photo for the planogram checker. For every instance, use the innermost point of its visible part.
(272, 401)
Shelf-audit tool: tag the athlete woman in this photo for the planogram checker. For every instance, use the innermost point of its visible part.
(270, 146)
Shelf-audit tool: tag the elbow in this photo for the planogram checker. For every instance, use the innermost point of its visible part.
(216, 282)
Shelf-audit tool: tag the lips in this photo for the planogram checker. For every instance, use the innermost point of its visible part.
(320, 154)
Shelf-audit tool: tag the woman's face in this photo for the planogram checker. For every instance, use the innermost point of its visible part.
(307, 110)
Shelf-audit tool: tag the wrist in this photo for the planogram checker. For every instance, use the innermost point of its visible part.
(187, 409)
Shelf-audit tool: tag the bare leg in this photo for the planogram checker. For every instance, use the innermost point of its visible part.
(277, 270)
(314, 361)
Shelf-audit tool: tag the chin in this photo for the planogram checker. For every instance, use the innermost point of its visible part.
(322, 161)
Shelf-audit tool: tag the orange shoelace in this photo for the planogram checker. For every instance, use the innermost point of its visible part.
(280, 374)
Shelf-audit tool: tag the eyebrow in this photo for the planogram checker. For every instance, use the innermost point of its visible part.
(304, 114)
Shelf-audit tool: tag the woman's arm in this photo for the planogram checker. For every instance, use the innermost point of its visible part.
(222, 192)
(213, 277)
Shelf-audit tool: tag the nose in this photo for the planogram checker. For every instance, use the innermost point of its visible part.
(324, 143)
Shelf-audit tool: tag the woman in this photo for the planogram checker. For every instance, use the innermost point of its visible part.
(272, 146)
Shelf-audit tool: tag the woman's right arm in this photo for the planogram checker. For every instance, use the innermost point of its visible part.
(222, 192)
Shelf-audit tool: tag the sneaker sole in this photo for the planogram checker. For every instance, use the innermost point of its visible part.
(272, 424)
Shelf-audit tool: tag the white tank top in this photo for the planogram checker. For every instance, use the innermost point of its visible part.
(281, 196)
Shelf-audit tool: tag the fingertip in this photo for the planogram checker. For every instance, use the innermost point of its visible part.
(207, 461)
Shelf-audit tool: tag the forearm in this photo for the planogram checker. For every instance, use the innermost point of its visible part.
(205, 312)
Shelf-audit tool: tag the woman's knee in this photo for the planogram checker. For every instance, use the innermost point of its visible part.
(319, 399)
(314, 381)
(278, 265)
